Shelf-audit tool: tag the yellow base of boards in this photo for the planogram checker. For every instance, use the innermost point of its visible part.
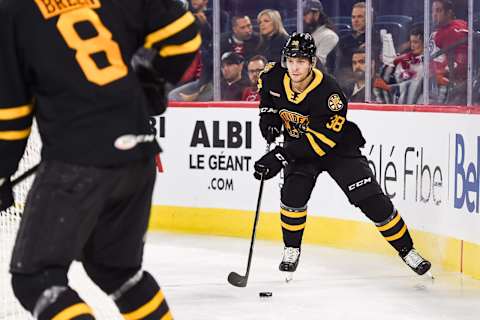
(451, 254)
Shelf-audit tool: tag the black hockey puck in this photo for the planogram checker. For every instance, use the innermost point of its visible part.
(265, 294)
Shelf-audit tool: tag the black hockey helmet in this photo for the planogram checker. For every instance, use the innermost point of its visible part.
(299, 45)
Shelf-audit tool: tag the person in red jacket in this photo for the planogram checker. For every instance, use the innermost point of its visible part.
(450, 46)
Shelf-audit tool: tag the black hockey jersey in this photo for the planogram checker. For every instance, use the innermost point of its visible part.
(68, 63)
(315, 121)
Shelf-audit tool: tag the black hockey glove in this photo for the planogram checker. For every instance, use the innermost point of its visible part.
(271, 163)
(152, 83)
(6, 194)
(270, 126)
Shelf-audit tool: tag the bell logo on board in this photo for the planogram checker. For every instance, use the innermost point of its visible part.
(466, 190)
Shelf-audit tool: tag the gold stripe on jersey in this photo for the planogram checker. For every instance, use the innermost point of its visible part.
(184, 48)
(52, 8)
(293, 214)
(293, 227)
(15, 135)
(398, 235)
(169, 30)
(297, 98)
(318, 150)
(322, 137)
(15, 112)
(147, 308)
(167, 316)
(73, 312)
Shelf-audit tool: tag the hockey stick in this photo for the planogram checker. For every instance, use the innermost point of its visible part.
(25, 175)
(234, 278)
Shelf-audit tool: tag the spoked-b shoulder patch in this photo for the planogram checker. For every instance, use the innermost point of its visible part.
(335, 103)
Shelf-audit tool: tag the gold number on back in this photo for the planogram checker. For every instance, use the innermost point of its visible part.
(102, 42)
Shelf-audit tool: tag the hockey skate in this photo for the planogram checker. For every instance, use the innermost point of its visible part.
(289, 262)
(416, 262)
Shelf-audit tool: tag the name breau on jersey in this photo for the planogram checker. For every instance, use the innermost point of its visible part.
(52, 8)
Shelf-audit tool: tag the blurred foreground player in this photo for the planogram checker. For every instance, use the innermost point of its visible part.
(312, 110)
(68, 64)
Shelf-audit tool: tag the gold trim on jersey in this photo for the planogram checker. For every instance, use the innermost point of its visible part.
(15, 134)
(15, 112)
(184, 48)
(52, 8)
(169, 30)
(322, 137)
(147, 308)
(318, 150)
(297, 98)
(73, 312)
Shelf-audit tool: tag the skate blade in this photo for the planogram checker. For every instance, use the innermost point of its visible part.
(430, 275)
(288, 276)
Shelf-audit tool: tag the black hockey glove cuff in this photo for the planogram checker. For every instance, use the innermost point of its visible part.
(6, 194)
(152, 83)
(271, 163)
(270, 126)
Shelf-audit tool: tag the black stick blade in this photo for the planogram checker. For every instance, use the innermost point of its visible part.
(237, 280)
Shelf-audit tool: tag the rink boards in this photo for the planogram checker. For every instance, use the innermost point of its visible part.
(426, 159)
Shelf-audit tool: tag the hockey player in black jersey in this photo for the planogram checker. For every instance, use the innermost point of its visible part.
(312, 110)
(67, 63)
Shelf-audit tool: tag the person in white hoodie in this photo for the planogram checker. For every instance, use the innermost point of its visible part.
(317, 23)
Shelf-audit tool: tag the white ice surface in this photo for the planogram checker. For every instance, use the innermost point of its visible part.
(329, 284)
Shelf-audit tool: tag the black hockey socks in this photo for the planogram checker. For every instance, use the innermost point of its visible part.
(293, 222)
(67, 305)
(379, 208)
(143, 301)
(395, 231)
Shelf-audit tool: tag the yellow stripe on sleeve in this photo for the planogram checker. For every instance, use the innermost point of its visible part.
(73, 311)
(184, 48)
(170, 29)
(322, 137)
(15, 112)
(15, 135)
(315, 146)
(146, 309)
(167, 316)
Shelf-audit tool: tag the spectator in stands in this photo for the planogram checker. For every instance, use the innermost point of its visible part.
(351, 42)
(355, 91)
(242, 39)
(232, 84)
(200, 75)
(254, 67)
(449, 53)
(273, 35)
(199, 10)
(317, 23)
(401, 78)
